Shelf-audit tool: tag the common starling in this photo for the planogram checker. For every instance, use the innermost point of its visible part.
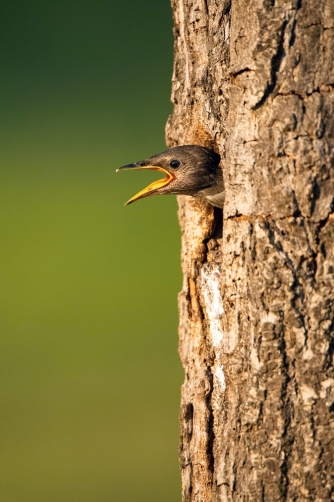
(190, 170)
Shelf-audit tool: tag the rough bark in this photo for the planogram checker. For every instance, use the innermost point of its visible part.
(254, 80)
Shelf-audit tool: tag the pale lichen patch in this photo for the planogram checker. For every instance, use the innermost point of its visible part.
(219, 374)
(212, 301)
(269, 317)
(308, 394)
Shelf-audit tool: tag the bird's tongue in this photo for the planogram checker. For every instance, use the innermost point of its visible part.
(153, 187)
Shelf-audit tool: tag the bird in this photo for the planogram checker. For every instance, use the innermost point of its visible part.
(189, 170)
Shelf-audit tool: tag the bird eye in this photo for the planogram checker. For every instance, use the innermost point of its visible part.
(175, 164)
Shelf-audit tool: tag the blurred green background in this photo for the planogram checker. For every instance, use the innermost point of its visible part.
(90, 374)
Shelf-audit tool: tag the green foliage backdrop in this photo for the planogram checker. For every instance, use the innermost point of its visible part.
(89, 368)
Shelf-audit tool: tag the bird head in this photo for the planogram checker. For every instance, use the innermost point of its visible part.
(189, 170)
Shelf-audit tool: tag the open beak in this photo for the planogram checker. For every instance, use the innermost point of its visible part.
(153, 187)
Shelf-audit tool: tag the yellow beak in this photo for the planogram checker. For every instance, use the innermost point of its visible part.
(153, 187)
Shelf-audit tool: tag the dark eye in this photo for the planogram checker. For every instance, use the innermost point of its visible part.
(175, 164)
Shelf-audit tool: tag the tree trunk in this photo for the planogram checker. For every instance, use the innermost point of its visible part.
(254, 80)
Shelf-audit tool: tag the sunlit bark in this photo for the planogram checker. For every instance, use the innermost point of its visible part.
(254, 80)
